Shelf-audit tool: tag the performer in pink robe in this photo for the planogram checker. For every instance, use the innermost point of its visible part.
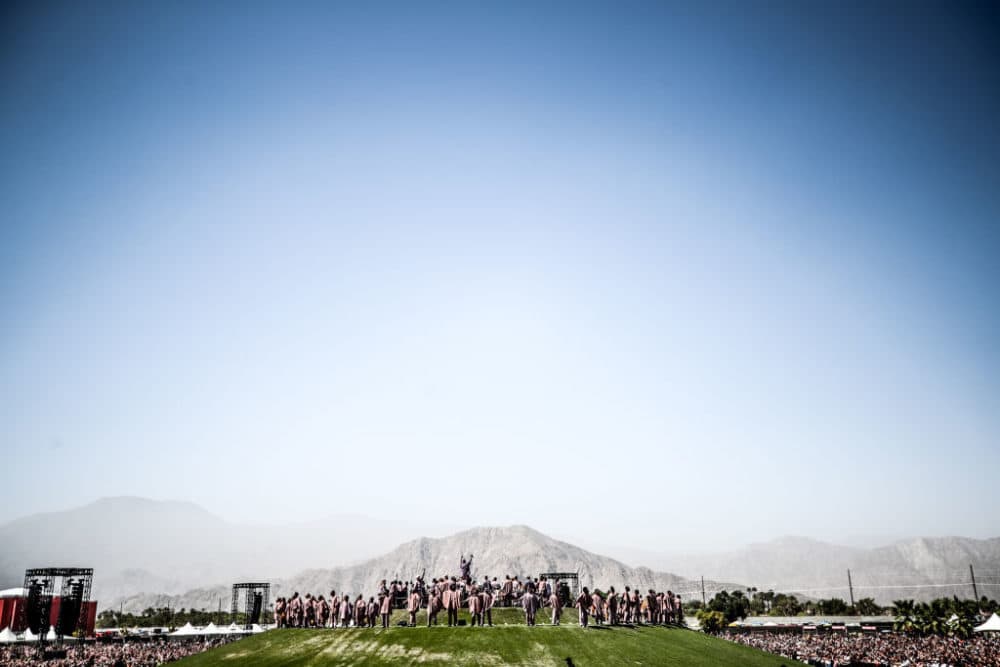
(434, 605)
(556, 605)
(529, 602)
(385, 608)
(334, 609)
(475, 608)
(279, 612)
(583, 603)
(597, 604)
(346, 610)
(506, 591)
(309, 611)
(452, 602)
(413, 606)
(486, 596)
(324, 612)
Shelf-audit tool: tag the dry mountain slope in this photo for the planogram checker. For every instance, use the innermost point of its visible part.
(168, 547)
(515, 550)
(920, 568)
(512, 550)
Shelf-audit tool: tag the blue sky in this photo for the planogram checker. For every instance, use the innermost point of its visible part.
(725, 253)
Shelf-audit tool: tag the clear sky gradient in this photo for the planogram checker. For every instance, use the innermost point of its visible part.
(685, 261)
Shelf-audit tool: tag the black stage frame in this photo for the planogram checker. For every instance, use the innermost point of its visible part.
(40, 583)
(252, 589)
(571, 579)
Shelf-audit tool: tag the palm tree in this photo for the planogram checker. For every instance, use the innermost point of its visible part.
(904, 615)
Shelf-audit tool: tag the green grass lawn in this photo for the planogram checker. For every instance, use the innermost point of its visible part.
(510, 644)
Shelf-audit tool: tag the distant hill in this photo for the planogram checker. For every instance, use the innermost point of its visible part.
(919, 568)
(149, 552)
(514, 550)
(167, 547)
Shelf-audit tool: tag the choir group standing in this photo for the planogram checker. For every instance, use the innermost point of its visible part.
(452, 594)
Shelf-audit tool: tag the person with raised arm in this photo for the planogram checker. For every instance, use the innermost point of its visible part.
(465, 566)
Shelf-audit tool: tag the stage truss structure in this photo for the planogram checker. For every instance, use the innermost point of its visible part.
(256, 600)
(75, 584)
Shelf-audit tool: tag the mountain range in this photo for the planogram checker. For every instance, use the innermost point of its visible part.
(168, 547)
(158, 553)
(515, 550)
(920, 568)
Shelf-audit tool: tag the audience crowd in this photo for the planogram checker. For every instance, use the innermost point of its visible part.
(127, 653)
(882, 650)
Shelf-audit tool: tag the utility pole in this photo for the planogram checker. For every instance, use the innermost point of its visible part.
(975, 593)
(850, 587)
(703, 603)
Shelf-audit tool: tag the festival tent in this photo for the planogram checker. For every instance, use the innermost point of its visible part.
(234, 629)
(991, 625)
(51, 636)
(187, 629)
(6, 636)
(212, 629)
(30, 636)
(255, 628)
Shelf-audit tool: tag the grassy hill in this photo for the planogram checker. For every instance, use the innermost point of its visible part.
(504, 644)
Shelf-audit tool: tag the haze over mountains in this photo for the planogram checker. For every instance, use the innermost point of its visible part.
(169, 547)
(920, 568)
(153, 553)
(497, 551)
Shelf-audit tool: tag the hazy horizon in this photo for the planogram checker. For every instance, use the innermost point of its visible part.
(628, 552)
(721, 274)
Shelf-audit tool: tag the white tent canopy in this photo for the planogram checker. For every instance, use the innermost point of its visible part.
(255, 628)
(30, 636)
(991, 625)
(234, 629)
(186, 629)
(6, 636)
(14, 593)
(51, 636)
(212, 629)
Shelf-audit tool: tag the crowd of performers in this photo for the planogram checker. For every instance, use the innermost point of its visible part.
(448, 595)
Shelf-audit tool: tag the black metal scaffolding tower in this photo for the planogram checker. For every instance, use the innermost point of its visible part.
(570, 579)
(74, 592)
(255, 602)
